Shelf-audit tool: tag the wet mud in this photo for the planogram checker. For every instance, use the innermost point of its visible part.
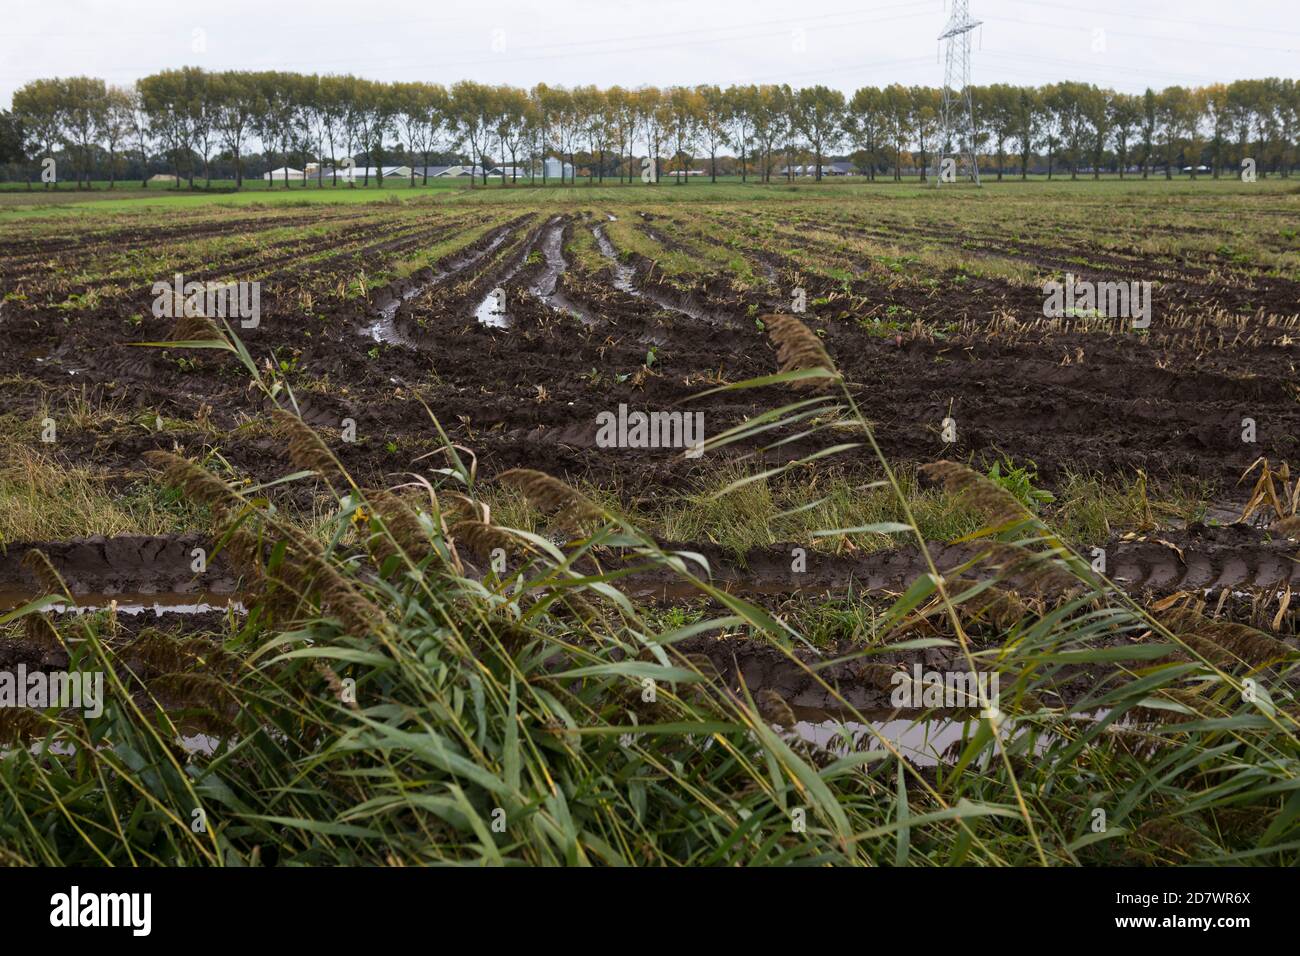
(1170, 402)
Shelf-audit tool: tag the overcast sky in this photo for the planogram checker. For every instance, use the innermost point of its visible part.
(1125, 44)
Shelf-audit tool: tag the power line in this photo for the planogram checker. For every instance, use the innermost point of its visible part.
(1106, 67)
(859, 15)
(603, 47)
(1148, 36)
(838, 71)
(1075, 9)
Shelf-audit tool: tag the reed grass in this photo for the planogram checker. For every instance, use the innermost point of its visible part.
(406, 700)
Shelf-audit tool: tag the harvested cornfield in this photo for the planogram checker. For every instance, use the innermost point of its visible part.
(786, 447)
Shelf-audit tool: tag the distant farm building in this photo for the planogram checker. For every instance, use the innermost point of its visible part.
(360, 172)
(554, 168)
(447, 172)
(390, 172)
(828, 169)
(436, 172)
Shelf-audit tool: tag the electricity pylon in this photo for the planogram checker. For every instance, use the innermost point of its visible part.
(957, 116)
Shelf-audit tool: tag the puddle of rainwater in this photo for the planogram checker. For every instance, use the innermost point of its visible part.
(492, 310)
(623, 281)
(473, 257)
(384, 329)
(923, 741)
(622, 271)
(545, 287)
(926, 741)
(204, 744)
(132, 602)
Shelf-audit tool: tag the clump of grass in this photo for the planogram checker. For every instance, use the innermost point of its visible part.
(757, 514)
(42, 499)
(796, 507)
(1089, 509)
(761, 513)
(580, 248)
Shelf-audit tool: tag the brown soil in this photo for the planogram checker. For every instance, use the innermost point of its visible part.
(1170, 402)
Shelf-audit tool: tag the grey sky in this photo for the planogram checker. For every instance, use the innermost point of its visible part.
(1125, 44)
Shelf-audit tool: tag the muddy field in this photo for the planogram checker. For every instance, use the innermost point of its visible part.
(360, 325)
(517, 325)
